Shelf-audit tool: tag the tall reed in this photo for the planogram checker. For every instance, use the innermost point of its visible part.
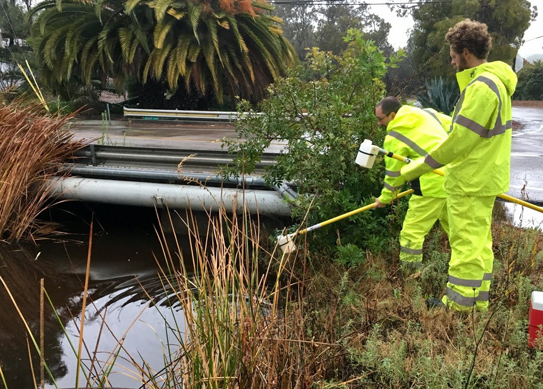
(242, 322)
(32, 145)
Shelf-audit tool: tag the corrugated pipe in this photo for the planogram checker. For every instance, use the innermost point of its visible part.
(146, 194)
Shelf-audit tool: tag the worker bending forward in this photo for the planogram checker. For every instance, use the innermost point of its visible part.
(412, 132)
(477, 157)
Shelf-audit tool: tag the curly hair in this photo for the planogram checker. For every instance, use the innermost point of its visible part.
(470, 35)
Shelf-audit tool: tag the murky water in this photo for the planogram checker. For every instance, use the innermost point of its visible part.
(126, 255)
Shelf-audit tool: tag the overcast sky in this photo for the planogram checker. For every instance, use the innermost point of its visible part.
(399, 33)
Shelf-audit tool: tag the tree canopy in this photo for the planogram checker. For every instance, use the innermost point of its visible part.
(324, 26)
(507, 21)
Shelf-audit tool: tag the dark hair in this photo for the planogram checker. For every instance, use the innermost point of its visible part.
(389, 104)
(470, 35)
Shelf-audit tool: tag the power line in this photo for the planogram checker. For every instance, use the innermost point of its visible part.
(533, 39)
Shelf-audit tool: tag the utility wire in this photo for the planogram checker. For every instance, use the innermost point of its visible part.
(533, 39)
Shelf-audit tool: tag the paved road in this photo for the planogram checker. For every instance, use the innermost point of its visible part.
(158, 134)
(526, 155)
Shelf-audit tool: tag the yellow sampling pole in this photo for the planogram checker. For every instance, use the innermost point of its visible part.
(502, 196)
(286, 243)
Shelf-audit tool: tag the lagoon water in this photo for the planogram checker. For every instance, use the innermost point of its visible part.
(126, 255)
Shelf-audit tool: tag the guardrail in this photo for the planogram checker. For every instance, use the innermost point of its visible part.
(147, 157)
(179, 114)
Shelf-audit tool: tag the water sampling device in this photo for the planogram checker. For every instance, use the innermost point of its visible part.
(366, 158)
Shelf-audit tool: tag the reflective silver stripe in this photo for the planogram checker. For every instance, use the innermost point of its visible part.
(390, 187)
(407, 250)
(483, 296)
(402, 138)
(473, 126)
(463, 282)
(392, 173)
(487, 277)
(428, 160)
(480, 130)
(494, 88)
(459, 299)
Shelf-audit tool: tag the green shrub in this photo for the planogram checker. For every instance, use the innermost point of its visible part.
(322, 123)
(530, 82)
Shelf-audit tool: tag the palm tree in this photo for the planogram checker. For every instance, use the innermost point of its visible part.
(203, 46)
(78, 42)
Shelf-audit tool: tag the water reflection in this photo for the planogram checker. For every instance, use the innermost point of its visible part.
(126, 255)
(518, 215)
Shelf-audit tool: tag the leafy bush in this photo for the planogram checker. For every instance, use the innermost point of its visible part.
(441, 95)
(530, 82)
(322, 123)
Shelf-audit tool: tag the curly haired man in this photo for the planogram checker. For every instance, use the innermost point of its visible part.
(476, 156)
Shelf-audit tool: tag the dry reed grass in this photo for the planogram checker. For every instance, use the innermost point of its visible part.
(32, 147)
(243, 323)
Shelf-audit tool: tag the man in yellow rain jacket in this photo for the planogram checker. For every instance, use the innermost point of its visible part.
(412, 132)
(477, 159)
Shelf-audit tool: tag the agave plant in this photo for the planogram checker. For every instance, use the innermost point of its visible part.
(206, 46)
(441, 95)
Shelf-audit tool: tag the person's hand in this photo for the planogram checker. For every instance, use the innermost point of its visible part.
(378, 204)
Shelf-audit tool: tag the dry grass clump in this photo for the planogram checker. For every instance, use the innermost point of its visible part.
(32, 146)
(243, 323)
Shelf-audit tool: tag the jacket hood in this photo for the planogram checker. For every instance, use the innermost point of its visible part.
(498, 68)
(405, 118)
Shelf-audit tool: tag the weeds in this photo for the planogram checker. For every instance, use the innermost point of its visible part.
(32, 146)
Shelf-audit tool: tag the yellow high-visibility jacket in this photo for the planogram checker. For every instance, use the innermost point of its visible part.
(413, 133)
(477, 152)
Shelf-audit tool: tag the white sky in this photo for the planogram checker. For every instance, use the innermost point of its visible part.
(399, 33)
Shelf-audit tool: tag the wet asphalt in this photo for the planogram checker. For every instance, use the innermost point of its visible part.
(526, 152)
(527, 156)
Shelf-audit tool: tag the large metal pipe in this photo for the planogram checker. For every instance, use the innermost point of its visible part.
(146, 194)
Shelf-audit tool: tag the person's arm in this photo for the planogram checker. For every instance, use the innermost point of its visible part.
(392, 182)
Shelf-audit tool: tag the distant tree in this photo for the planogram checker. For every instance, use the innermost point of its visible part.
(307, 26)
(12, 22)
(401, 79)
(507, 21)
(335, 20)
(530, 82)
(298, 26)
(14, 30)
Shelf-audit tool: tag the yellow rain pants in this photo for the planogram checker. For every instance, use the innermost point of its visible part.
(470, 267)
(421, 216)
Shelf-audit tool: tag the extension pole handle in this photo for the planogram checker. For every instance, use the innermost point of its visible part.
(346, 215)
(502, 196)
